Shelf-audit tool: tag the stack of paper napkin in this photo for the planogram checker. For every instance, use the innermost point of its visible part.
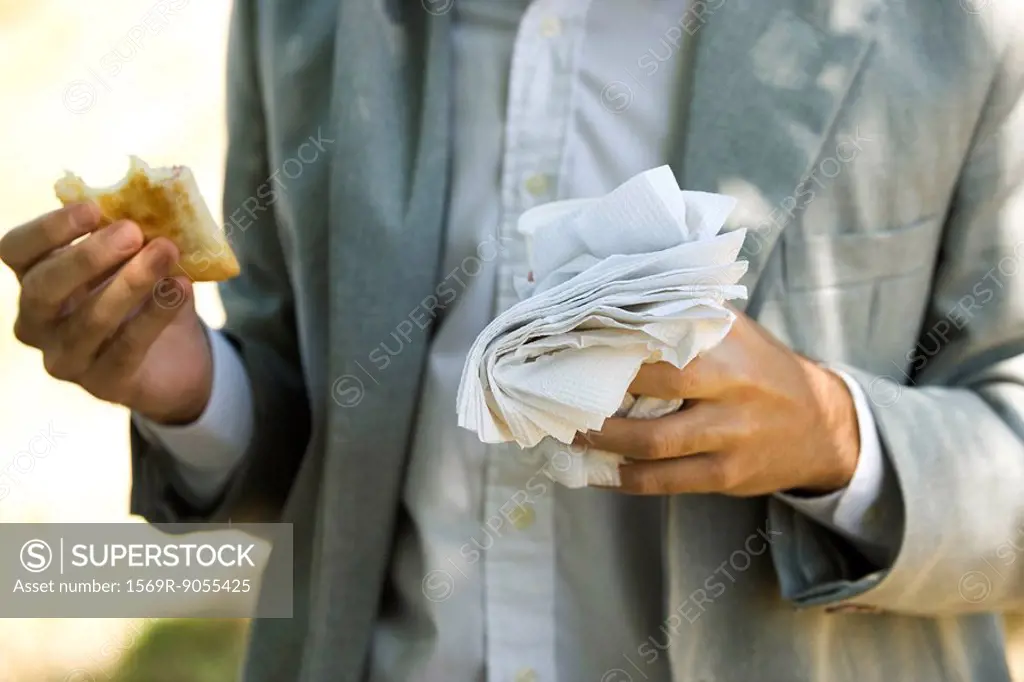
(639, 275)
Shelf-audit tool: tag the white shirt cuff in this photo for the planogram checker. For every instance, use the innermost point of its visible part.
(845, 510)
(207, 450)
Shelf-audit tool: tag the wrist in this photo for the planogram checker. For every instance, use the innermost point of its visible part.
(188, 405)
(183, 413)
(838, 413)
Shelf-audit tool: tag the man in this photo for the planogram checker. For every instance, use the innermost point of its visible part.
(834, 502)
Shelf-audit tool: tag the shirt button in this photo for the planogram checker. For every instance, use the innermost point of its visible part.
(537, 184)
(525, 518)
(526, 675)
(550, 27)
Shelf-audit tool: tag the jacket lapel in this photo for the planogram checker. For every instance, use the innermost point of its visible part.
(387, 202)
(765, 83)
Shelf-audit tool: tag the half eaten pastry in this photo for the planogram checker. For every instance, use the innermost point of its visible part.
(163, 202)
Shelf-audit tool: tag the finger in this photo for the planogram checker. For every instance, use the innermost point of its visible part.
(663, 380)
(54, 280)
(90, 288)
(127, 349)
(703, 473)
(27, 244)
(701, 428)
(99, 318)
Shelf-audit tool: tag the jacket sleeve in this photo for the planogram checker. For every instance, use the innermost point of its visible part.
(260, 324)
(953, 427)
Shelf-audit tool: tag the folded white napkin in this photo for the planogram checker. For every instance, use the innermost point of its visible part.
(639, 275)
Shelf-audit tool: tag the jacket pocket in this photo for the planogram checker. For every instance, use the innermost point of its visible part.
(857, 298)
(835, 260)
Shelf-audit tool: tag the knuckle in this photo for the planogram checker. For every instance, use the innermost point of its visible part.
(53, 228)
(647, 483)
(722, 473)
(88, 257)
(95, 322)
(138, 278)
(680, 383)
(57, 365)
(739, 375)
(21, 331)
(5, 249)
(657, 443)
(35, 295)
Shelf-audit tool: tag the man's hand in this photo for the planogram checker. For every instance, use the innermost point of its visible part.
(758, 419)
(107, 316)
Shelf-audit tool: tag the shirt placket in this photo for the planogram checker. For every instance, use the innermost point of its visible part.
(519, 571)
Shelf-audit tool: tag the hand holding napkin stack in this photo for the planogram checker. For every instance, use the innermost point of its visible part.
(639, 275)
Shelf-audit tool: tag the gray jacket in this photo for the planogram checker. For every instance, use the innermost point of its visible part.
(898, 261)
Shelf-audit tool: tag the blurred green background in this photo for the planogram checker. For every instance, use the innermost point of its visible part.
(83, 86)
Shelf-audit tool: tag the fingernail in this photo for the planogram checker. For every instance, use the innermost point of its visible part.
(162, 261)
(126, 236)
(85, 215)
